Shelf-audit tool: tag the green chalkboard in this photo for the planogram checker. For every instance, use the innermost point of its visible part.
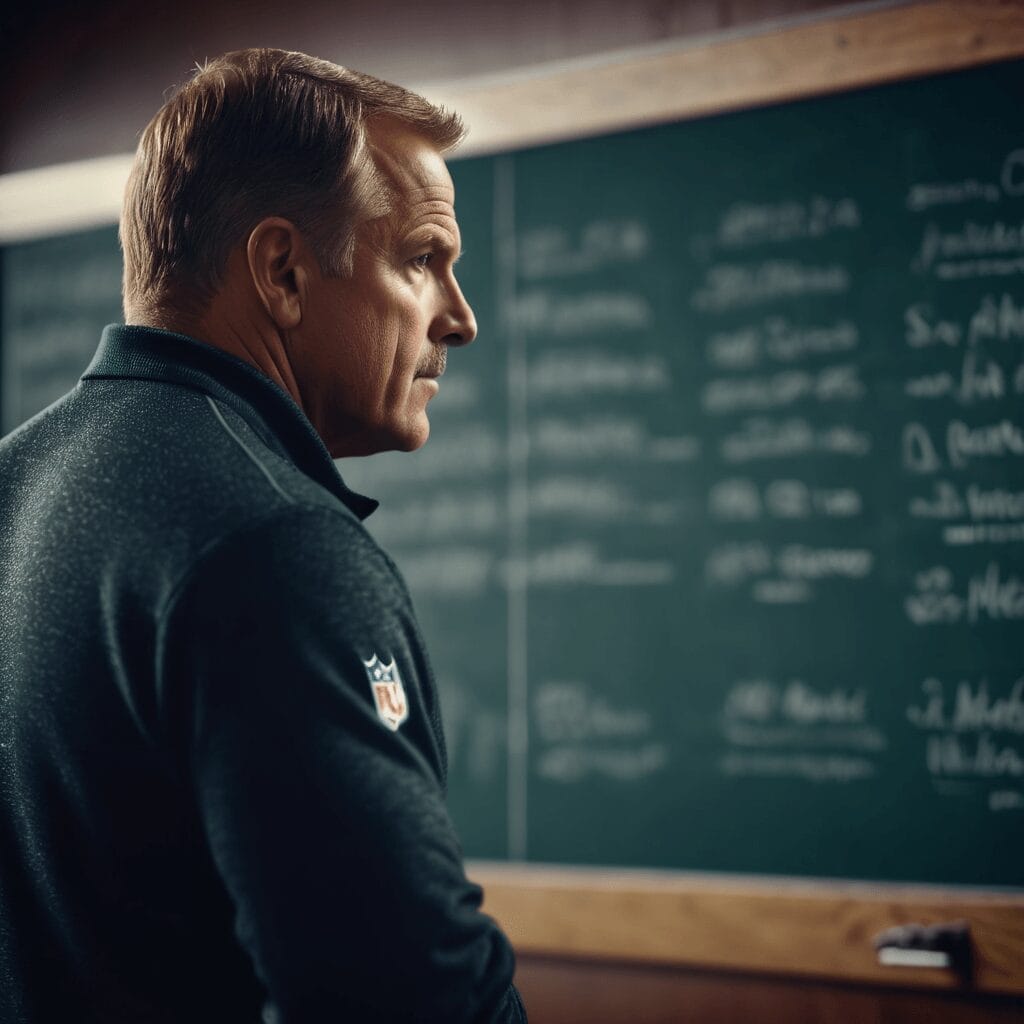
(57, 295)
(718, 541)
(752, 596)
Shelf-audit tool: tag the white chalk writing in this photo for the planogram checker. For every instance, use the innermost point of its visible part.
(762, 438)
(586, 373)
(588, 313)
(744, 224)
(972, 708)
(552, 251)
(730, 286)
(754, 394)
(990, 595)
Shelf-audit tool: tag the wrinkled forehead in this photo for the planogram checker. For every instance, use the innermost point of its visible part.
(411, 166)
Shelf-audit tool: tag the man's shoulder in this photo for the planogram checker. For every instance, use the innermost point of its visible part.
(231, 493)
(160, 474)
(298, 563)
(204, 456)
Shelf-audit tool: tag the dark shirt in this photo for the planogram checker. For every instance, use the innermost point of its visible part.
(205, 812)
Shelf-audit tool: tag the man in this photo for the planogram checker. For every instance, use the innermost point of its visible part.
(221, 761)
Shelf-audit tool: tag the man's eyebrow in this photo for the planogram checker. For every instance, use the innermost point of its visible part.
(442, 244)
(439, 241)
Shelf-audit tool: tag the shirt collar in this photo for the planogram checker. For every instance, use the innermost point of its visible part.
(146, 353)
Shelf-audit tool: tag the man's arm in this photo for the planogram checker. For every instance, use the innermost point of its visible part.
(329, 829)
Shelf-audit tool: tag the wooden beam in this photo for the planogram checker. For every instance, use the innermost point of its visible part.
(813, 929)
(703, 77)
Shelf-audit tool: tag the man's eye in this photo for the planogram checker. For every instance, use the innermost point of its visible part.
(423, 259)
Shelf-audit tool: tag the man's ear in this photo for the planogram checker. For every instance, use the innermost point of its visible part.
(278, 257)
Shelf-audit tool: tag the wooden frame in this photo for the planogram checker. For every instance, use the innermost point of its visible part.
(817, 55)
(801, 928)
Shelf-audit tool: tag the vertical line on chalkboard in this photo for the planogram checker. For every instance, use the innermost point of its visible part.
(518, 708)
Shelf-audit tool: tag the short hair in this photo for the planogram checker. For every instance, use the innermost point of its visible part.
(257, 133)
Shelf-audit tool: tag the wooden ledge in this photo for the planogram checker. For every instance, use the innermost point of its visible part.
(709, 76)
(815, 928)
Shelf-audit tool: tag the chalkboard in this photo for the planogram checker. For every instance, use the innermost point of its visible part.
(731, 574)
(718, 540)
(57, 295)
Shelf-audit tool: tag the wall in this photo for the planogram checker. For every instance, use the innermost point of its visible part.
(76, 85)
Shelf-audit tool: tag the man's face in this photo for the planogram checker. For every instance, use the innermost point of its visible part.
(371, 345)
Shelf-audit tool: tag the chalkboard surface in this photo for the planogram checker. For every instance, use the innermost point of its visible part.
(57, 295)
(718, 541)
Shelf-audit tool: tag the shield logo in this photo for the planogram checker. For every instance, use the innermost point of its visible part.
(388, 692)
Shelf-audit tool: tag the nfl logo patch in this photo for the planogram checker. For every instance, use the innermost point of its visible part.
(388, 692)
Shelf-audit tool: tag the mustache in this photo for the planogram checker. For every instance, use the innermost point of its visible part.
(434, 365)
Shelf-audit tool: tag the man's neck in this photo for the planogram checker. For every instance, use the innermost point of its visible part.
(242, 337)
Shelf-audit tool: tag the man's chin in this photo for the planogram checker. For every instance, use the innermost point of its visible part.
(417, 438)
(406, 438)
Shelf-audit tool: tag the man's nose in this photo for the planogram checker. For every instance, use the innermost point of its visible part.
(457, 324)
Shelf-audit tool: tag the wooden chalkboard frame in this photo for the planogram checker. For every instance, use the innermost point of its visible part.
(810, 928)
(813, 57)
(806, 928)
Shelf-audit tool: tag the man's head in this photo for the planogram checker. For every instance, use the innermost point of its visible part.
(299, 214)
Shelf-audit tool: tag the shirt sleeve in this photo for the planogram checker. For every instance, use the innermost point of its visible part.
(328, 827)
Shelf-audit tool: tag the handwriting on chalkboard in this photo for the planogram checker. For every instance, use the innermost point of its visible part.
(784, 574)
(551, 251)
(745, 224)
(582, 499)
(840, 383)
(580, 733)
(777, 339)
(461, 571)
(978, 378)
(762, 438)
(461, 513)
(744, 468)
(725, 511)
(979, 505)
(991, 595)
(582, 373)
(1010, 184)
(467, 455)
(739, 499)
(734, 286)
(582, 562)
(994, 319)
(973, 250)
(964, 444)
(970, 708)
(601, 437)
(799, 731)
(974, 736)
(555, 315)
(991, 366)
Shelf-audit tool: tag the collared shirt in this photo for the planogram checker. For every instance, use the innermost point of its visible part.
(222, 766)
